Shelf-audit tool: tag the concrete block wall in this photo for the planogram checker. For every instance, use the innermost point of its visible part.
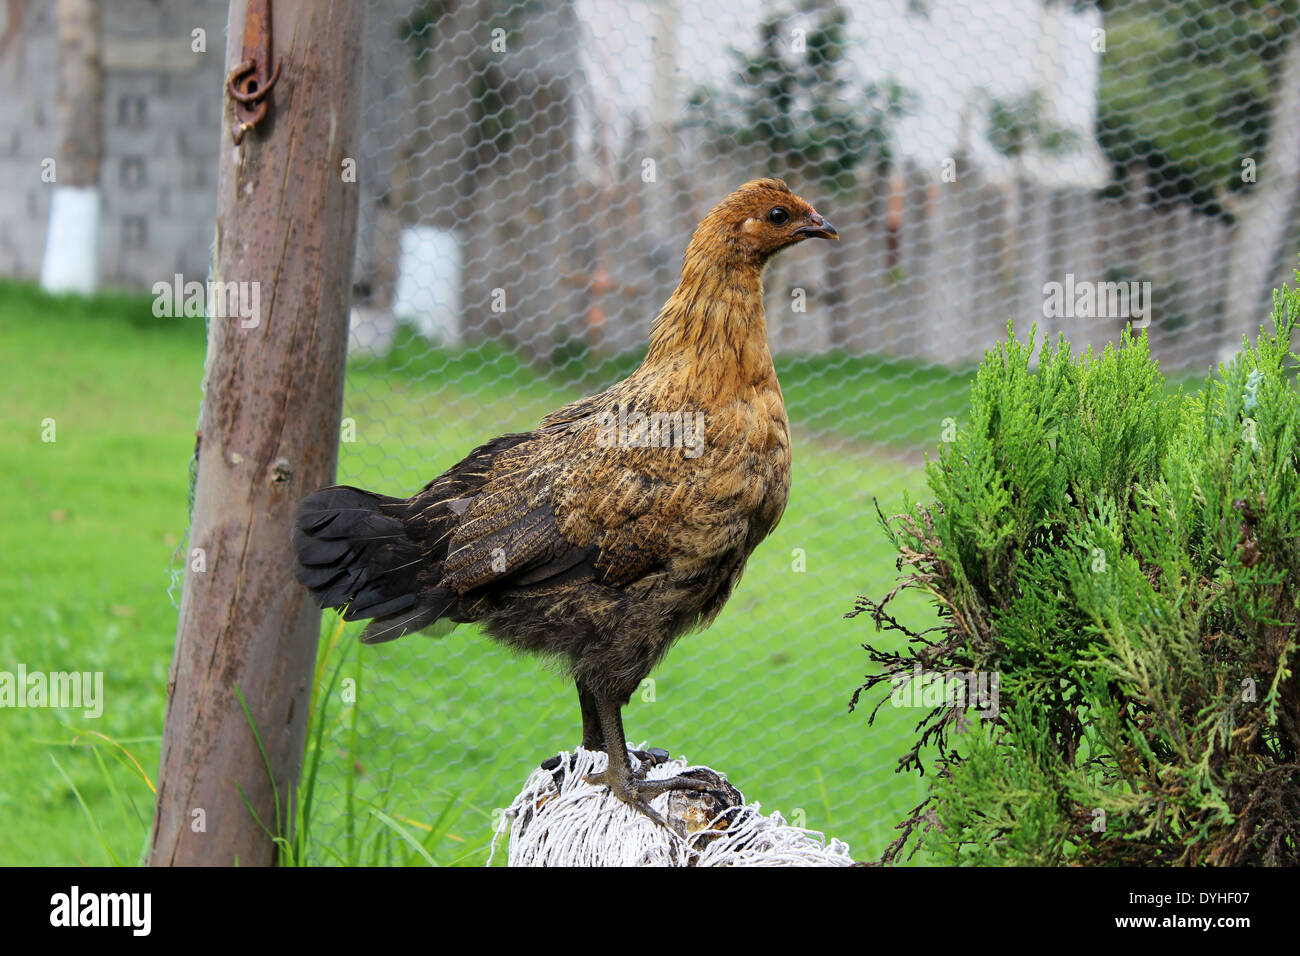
(162, 104)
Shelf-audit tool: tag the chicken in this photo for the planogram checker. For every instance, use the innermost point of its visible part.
(618, 525)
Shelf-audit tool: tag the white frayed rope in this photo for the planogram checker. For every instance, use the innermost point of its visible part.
(577, 824)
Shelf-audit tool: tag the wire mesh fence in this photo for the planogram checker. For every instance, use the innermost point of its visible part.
(532, 173)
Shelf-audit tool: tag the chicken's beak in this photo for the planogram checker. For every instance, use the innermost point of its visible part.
(817, 228)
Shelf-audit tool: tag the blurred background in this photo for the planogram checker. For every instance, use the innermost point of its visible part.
(531, 173)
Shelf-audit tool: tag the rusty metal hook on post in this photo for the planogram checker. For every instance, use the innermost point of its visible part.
(249, 83)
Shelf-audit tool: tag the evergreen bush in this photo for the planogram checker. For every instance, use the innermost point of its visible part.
(1121, 564)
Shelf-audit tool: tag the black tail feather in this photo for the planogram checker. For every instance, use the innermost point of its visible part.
(356, 551)
(390, 626)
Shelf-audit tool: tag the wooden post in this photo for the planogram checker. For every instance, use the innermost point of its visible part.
(286, 224)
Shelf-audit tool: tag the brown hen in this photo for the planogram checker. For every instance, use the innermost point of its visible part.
(622, 522)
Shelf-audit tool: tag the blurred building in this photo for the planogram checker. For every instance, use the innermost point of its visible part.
(527, 176)
(161, 112)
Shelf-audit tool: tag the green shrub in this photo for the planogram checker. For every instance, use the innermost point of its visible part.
(1125, 564)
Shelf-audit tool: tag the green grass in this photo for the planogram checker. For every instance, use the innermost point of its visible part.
(91, 524)
(443, 731)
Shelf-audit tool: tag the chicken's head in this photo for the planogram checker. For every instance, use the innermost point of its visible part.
(758, 220)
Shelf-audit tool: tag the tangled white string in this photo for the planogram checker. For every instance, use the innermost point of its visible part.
(573, 823)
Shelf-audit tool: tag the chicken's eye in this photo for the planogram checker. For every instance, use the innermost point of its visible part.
(778, 216)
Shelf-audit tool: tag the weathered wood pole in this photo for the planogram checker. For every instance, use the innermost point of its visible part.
(286, 226)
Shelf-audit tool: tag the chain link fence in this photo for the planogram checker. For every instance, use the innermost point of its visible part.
(533, 171)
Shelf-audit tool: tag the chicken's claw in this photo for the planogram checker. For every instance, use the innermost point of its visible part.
(637, 792)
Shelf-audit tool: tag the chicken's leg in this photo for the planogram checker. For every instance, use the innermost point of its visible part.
(593, 738)
(631, 789)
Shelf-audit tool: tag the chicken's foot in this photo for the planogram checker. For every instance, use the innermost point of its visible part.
(632, 787)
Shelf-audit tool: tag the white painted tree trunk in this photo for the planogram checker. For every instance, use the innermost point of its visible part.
(71, 262)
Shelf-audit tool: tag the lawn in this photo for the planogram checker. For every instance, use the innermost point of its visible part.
(97, 518)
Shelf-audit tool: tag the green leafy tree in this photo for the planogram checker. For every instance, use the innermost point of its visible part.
(1186, 91)
(794, 97)
(1019, 123)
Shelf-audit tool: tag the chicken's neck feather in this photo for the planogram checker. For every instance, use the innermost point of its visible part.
(711, 334)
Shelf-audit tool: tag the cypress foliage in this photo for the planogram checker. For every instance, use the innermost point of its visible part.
(1125, 562)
